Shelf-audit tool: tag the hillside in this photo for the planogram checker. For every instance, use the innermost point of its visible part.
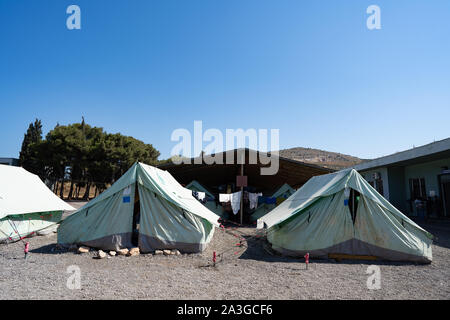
(323, 158)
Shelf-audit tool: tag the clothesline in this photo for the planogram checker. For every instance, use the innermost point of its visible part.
(254, 199)
(234, 198)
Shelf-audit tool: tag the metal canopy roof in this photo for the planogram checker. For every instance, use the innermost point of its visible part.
(292, 172)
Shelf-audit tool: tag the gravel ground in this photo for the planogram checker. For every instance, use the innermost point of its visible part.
(247, 272)
(76, 204)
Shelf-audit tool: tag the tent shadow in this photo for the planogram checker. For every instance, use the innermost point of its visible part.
(260, 250)
(440, 229)
(51, 248)
(438, 243)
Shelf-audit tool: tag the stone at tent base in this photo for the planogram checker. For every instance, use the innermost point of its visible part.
(166, 252)
(134, 252)
(83, 250)
(176, 252)
(158, 252)
(112, 253)
(122, 252)
(101, 254)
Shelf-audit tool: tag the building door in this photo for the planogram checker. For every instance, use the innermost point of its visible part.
(445, 193)
(418, 194)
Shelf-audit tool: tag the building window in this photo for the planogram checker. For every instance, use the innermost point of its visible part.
(379, 186)
(376, 182)
(417, 188)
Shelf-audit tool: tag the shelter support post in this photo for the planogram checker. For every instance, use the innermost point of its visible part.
(242, 194)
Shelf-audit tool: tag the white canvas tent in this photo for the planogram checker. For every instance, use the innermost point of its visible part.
(26, 204)
(341, 213)
(284, 191)
(170, 217)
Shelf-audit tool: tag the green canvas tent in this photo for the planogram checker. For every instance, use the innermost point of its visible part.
(27, 205)
(284, 191)
(341, 213)
(194, 185)
(170, 217)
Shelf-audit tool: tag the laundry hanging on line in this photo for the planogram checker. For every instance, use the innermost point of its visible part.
(236, 201)
(267, 200)
(224, 197)
(200, 196)
(234, 198)
(253, 199)
(280, 200)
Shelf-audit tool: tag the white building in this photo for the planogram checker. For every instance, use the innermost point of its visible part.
(9, 161)
(421, 173)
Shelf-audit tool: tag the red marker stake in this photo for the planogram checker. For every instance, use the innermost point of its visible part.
(307, 260)
(27, 247)
(214, 258)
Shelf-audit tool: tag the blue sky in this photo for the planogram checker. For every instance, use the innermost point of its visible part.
(309, 68)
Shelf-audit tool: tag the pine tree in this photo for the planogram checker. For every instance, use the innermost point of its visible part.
(28, 158)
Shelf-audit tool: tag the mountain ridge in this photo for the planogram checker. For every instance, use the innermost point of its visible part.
(328, 159)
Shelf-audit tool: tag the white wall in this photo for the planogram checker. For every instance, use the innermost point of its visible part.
(427, 170)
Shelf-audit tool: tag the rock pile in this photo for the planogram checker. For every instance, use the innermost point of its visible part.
(101, 254)
(134, 252)
(125, 252)
(122, 252)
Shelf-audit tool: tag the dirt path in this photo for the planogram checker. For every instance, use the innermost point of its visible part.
(247, 272)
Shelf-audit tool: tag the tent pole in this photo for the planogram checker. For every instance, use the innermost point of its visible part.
(242, 192)
(353, 205)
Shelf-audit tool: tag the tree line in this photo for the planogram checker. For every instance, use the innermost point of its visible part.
(82, 156)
